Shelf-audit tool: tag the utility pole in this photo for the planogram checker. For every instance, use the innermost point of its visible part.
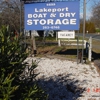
(84, 19)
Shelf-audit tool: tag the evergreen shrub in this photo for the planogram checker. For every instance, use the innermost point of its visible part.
(14, 85)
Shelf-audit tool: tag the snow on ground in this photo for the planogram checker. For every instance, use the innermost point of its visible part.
(67, 80)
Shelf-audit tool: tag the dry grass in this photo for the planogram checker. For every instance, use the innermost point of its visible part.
(66, 51)
(96, 46)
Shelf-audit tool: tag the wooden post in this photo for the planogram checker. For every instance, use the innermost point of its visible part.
(59, 43)
(56, 36)
(34, 45)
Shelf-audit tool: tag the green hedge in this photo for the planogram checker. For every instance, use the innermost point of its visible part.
(13, 84)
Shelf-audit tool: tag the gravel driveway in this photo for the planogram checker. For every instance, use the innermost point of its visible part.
(67, 80)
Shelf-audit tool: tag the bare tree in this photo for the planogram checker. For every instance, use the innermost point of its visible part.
(96, 13)
(10, 14)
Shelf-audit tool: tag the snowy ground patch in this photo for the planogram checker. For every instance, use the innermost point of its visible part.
(67, 80)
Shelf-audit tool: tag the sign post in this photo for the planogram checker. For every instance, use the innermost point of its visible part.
(84, 18)
(90, 49)
(52, 16)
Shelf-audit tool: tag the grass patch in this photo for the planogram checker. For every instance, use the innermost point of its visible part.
(58, 49)
(51, 47)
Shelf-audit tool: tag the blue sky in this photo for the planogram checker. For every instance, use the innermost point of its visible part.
(88, 8)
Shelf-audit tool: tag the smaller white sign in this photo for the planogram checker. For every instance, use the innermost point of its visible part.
(66, 34)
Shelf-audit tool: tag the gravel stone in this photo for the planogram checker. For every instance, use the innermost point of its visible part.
(67, 80)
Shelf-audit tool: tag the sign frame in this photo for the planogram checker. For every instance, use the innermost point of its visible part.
(52, 16)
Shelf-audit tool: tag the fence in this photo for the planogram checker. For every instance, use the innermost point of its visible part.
(71, 42)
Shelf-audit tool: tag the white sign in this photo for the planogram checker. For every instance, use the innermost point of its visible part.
(66, 34)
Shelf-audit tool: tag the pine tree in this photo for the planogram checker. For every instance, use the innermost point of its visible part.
(14, 85)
